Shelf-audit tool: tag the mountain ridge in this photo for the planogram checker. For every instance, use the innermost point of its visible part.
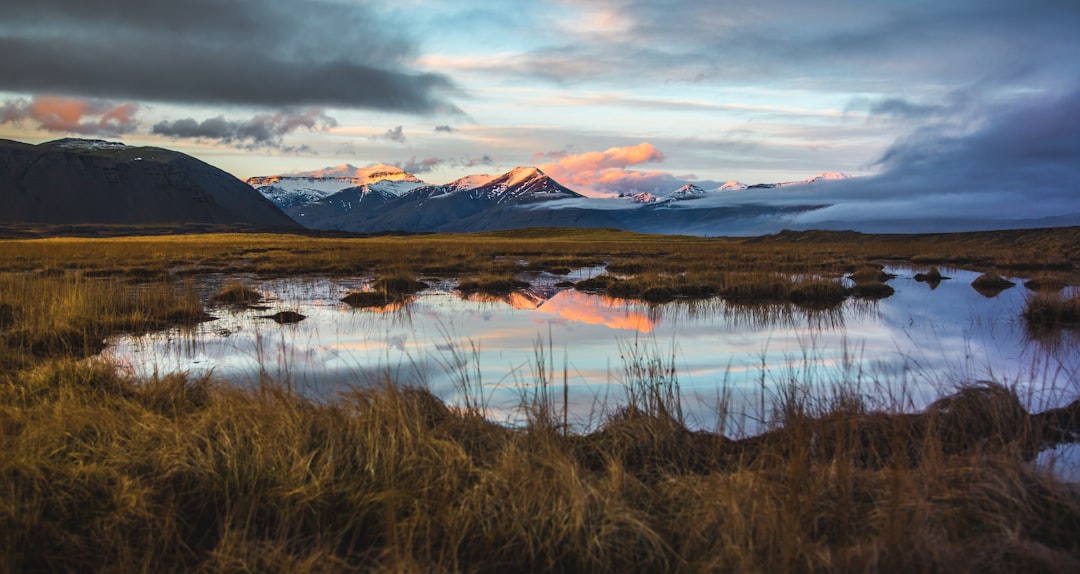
(83, 181)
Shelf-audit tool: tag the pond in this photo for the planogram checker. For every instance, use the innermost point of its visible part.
(728, 363)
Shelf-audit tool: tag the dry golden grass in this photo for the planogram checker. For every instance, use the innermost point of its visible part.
(101, 472)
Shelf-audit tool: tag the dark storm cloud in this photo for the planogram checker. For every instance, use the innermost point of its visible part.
(1020, 165)
(832, 44)
(444, 129)
(216, 52)
(71, 115)
(264, 130)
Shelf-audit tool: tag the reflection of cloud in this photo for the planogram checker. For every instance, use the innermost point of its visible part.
(597, 310)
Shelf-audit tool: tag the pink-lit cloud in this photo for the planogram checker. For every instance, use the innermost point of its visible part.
(605, 172)
(71, 115)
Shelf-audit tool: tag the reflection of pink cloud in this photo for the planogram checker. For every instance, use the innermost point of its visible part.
(606, 170)
(596, 310)
(72, 115)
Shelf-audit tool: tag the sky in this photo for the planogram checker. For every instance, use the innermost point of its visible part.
(606, 96)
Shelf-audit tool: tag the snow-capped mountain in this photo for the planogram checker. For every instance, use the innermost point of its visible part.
(469, 182)
(306, 188)
(688, 191)
(643, 197)
(825, 176)
(522, 184)
(385, 198)
(732, 185)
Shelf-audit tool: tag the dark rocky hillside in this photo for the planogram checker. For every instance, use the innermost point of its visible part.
(73, 181)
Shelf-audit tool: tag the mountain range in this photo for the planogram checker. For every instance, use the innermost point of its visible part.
(386, 198)
(101, 183)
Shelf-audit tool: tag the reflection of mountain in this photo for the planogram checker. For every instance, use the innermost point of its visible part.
(524, 299)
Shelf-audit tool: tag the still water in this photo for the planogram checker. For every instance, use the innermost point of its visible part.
(898, 353)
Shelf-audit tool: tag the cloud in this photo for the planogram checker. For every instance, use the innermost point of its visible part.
(1017, 168)
(604, 171)
(394, 134)
(444, 129)
(264, 130)
(478, 161)
(72, 115)
(247, 52)
(832, 46)
(425, 165)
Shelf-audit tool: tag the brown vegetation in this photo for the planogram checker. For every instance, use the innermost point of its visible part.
(102, 472)
(990, 284)
(386, 290)
(1046, 284)
(236, 293)
(1045, 311)
(492, 285)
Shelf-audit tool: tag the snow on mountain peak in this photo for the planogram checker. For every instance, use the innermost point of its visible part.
(828, 176)
(84, 144)
(312, 186)
(522, 183)
(688, 191)
(520, 174)
(469, 182)
(732, 185)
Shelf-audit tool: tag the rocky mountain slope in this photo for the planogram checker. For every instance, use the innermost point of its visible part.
(76, 181)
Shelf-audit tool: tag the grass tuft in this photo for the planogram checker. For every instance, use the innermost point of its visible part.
(1046, 284)
(236, 293)
(492, 285)
(990, 284)
(1045, 311)
(818, 294)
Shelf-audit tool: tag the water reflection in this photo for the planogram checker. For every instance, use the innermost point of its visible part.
(899, 352)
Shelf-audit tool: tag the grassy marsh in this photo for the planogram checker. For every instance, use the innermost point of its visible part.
(100, 471)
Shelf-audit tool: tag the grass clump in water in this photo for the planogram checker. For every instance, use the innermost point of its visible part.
(1045, 310)
(492, 285)
(385, 291)
(1046, 284)
(933, 277)
(818, 293)
(990, 284)
(871, 275)
(236, 293)
(399, 285)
